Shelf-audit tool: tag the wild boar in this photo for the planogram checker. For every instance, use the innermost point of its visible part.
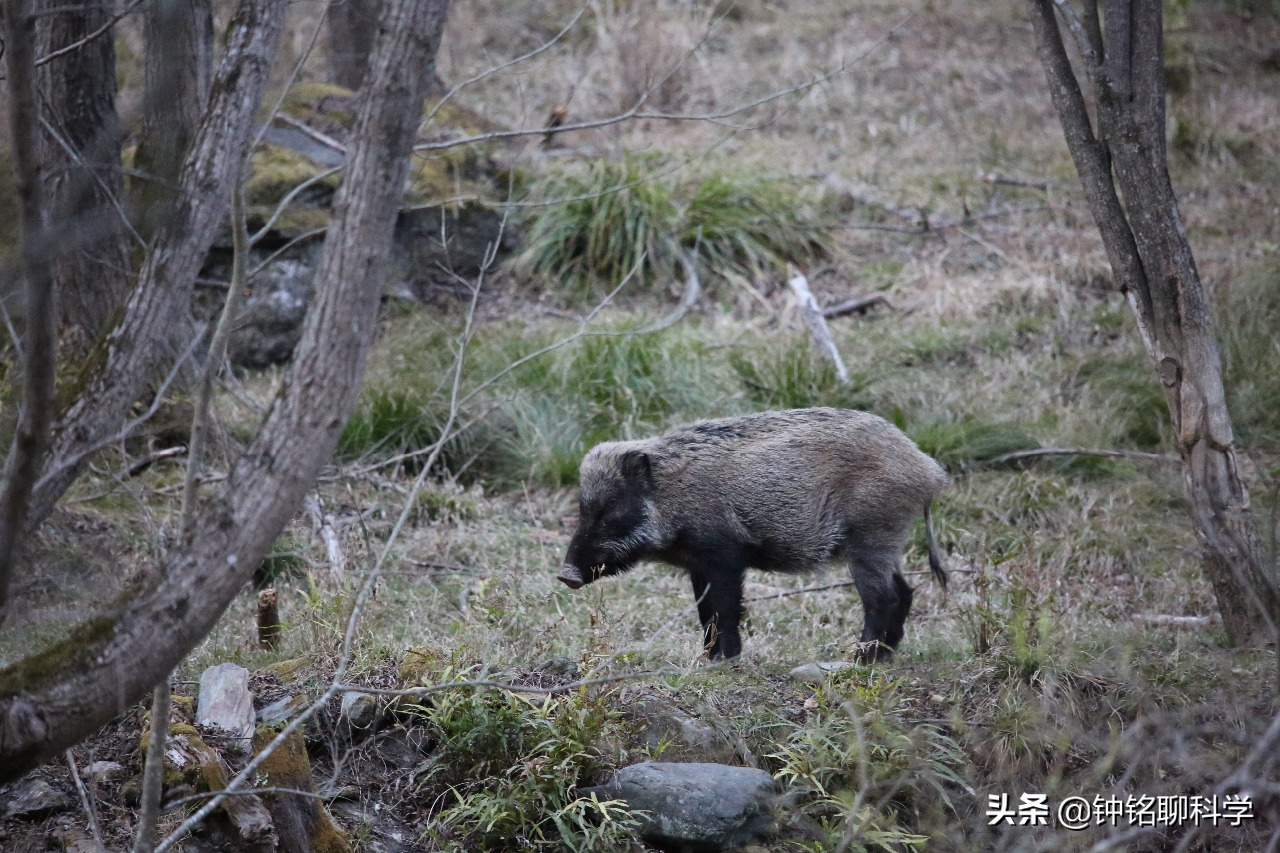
(786, 491)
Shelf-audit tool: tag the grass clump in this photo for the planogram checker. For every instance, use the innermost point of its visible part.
(866, 778)
(1248, 316)
(794, 377)
(629, 216)
(508, 770)
(957, 441)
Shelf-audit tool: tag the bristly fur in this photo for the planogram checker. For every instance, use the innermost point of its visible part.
(780, 491)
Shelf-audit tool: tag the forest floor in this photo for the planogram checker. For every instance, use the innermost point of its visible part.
(1077, 652)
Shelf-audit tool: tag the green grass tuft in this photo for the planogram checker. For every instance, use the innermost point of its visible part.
(636, 215)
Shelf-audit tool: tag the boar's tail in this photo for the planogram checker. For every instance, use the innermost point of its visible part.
(935, 561)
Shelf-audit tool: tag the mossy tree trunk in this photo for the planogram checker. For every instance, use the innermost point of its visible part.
(81, 161)
(1122, 155)
(53, 699)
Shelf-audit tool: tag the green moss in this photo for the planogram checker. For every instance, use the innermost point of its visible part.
(276, 171)
(288, 766)
(77, 650)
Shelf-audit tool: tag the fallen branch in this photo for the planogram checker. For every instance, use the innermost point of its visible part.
(1079, 451)
(147, 461)
(859, 303)
(1166, 619)
(1003, 180)
(839, 584)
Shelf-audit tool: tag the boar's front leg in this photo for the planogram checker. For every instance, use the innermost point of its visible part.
(718, 591)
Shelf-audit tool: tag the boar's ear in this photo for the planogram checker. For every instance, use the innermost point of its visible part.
(636, 467)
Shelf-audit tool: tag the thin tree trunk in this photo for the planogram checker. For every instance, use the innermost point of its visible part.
(1151, 257)
(82, 167)
(140, 349)
(40, 341)
(49, 702)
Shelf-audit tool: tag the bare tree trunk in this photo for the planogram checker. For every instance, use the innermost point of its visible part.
(82, 166)
(140, 348)
(1147, 246)
(111, 662)
(40, 351)
(352, 26)
(179, 65)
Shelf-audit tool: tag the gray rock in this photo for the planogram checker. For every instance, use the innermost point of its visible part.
(225, 701)
(666, 731)
(358, 716)
(816, 673)
(272, 314)
(699, 806)
(104, 771)
(34, 799)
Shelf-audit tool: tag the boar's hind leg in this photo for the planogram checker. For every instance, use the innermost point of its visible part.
(718, 591)
(886, 601)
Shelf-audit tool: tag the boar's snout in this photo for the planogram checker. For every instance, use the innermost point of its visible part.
(571, 577)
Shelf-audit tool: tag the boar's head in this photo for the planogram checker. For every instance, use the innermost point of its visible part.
(616, 524)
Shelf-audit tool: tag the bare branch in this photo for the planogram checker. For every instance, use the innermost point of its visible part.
(90, 811)
(98, 33)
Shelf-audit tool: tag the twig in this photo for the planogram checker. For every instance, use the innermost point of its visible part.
(1004, 180)
(691, 290)
(153, 771)
(90, 811)
(79, 43)
(858, 303)
(310, 132)
(431, 564)
(1079, 451)
(839, 584)
(1166, 619)
(147, 461)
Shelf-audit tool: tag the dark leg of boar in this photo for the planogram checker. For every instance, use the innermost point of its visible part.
(718, 591)
(886, 601)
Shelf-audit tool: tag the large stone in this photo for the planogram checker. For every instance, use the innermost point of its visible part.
(226, 704)
(33, 799)
(693, 806)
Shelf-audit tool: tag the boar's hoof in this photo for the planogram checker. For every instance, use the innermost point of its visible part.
(571, 577)
(873, 651)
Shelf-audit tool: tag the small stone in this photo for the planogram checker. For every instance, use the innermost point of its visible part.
(34, 799)
(816, 673)
(359, 715)
(104, 771)
(705, 806)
